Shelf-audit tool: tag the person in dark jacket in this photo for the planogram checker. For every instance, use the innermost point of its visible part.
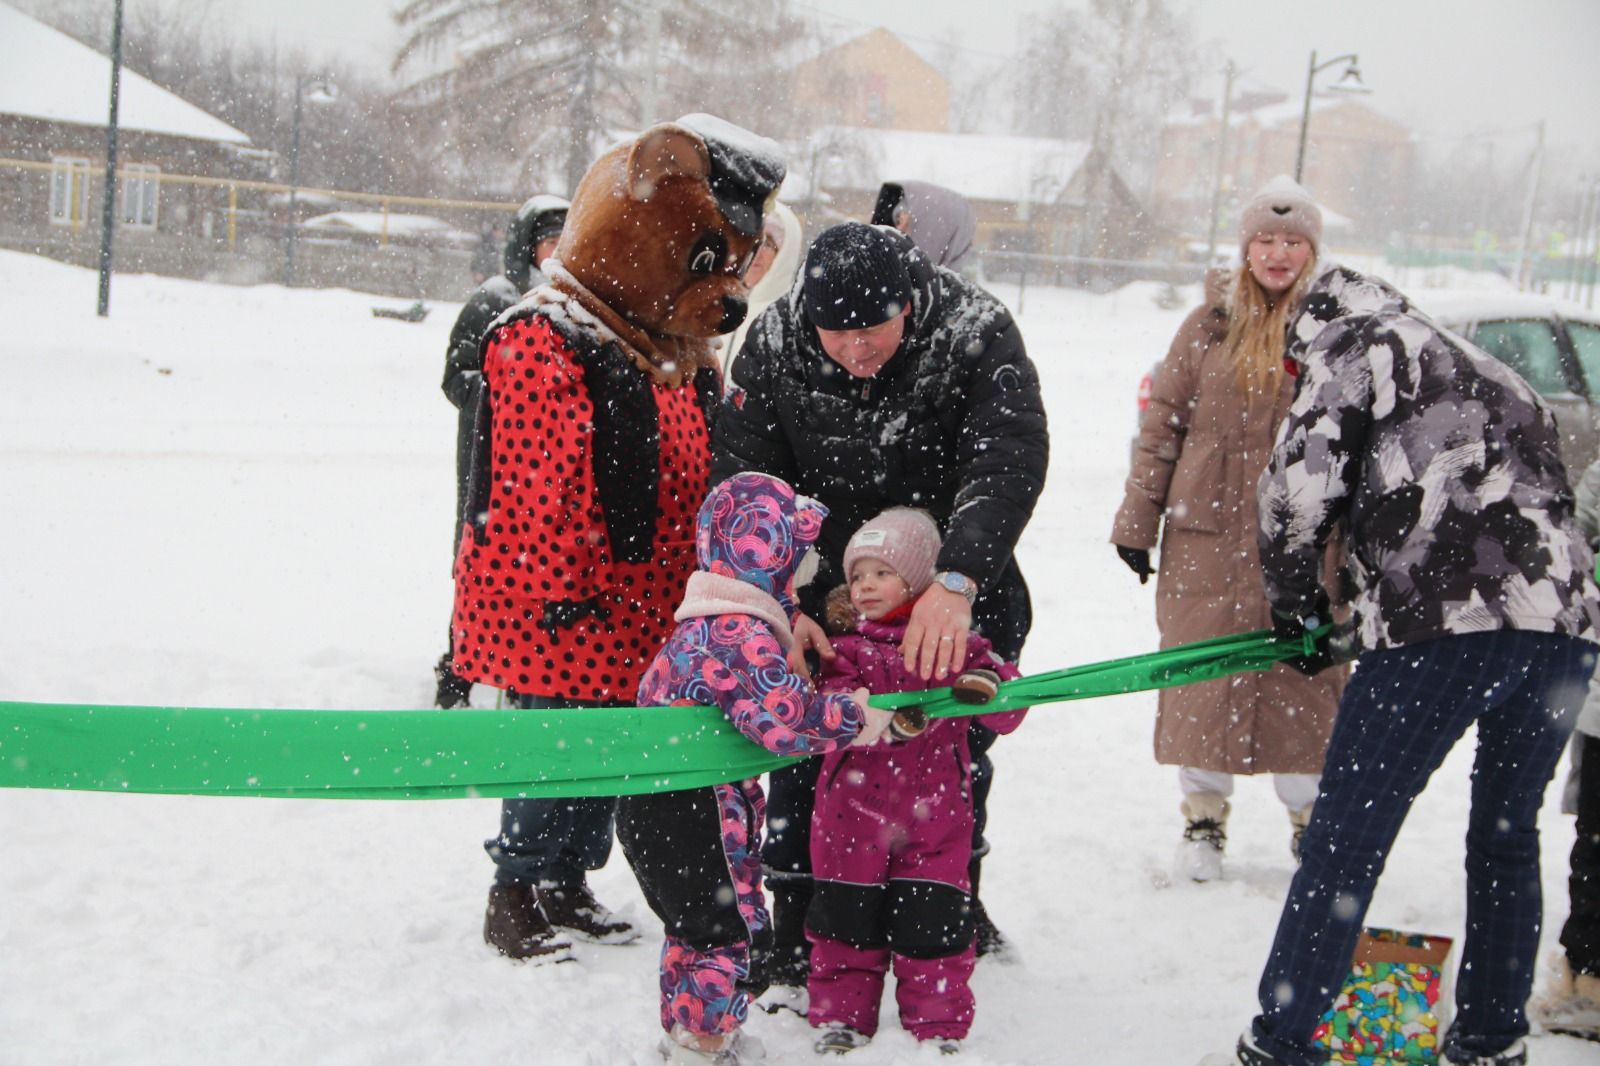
(883, 380)
(1475, 606)
(486, 257)
(531, 240)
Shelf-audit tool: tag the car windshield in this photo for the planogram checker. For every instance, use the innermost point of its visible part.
(1528, 346)
(1586, 339)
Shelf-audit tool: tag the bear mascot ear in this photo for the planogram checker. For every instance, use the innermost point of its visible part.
(663, 152)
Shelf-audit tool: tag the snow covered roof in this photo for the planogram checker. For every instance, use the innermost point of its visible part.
(1284, 114)
(47, 75)
(1008, 169)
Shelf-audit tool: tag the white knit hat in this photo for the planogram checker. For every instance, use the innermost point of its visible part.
(1282, 206)
(905, 538)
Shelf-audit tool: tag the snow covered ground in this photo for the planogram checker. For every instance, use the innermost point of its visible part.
(242, 496)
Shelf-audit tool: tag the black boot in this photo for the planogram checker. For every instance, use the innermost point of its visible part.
(453, 691)
(988, 939)
(516, 926)
(788, 963)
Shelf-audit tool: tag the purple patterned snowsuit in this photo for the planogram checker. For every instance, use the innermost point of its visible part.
(697, 852)
(891, 838)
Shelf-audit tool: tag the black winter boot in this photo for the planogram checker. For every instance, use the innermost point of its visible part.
(988, 940)
(453, 691)
(788, 961)
(515, 926)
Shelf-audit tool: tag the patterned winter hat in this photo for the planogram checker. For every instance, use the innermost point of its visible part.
(905, 538)
(757, 529)
(1282, 206)
(855, 277)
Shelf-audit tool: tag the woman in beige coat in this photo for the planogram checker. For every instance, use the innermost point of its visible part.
(1215, 405)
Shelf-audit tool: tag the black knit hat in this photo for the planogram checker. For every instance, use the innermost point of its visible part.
(855, 277)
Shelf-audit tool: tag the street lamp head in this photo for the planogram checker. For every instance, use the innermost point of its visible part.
(1350, 81)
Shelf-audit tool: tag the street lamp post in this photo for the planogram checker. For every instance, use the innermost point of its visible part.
(319, 92)
(1349, 82)
(1229, 73)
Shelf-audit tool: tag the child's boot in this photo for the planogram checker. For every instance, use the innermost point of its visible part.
(1205, 835)
(839, 1039)
(683, 1048)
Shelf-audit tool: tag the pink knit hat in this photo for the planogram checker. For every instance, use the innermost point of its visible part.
(905, 538)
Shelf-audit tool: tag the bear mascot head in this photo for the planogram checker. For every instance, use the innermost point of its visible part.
(659, 235)
(591, 442)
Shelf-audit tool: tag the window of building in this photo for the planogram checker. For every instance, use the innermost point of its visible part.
(141, 189)
(69, 191)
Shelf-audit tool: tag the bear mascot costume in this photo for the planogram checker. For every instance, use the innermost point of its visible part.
(591, 458)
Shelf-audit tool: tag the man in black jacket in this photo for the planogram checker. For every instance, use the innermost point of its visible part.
(531, 240)
(881, 380)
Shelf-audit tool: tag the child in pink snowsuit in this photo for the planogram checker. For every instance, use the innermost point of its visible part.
(891, 835)
(696, 852)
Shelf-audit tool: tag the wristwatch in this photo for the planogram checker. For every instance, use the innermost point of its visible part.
(957, 582)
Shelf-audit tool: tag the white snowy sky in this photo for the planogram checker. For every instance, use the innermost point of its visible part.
(1446, 67)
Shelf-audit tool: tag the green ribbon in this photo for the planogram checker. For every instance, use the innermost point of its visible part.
(433, 754)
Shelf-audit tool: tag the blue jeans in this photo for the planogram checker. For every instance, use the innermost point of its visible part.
(1402, 712)
(552, 841)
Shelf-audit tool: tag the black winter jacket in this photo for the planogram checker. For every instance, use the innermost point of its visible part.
(953, 423)
(463, 366)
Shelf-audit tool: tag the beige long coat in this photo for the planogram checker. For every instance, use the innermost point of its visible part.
(1199, 455)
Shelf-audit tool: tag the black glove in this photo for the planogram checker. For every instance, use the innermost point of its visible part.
(1337, 645)
(1138, 560)
(1291, 625)
(564, 613)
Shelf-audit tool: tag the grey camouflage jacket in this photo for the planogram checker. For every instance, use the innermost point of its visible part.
(1441, 462)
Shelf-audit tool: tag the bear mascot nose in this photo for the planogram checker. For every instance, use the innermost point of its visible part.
(733, 311)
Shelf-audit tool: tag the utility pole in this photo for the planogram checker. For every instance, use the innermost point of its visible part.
(1524, 249)
(108, 217)
(1222, 154)
(1577, 243)
(1592, 244)
(294, 181)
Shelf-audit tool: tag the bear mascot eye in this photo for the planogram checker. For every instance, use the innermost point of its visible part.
(708, 254)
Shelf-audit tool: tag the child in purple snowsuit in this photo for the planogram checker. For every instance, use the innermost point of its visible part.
(891, 835)
(696, 852)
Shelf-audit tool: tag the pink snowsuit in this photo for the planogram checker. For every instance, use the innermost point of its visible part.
(891, 837)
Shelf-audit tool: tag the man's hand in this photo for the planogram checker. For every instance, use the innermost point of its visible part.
(808, 636)
(935, 645)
